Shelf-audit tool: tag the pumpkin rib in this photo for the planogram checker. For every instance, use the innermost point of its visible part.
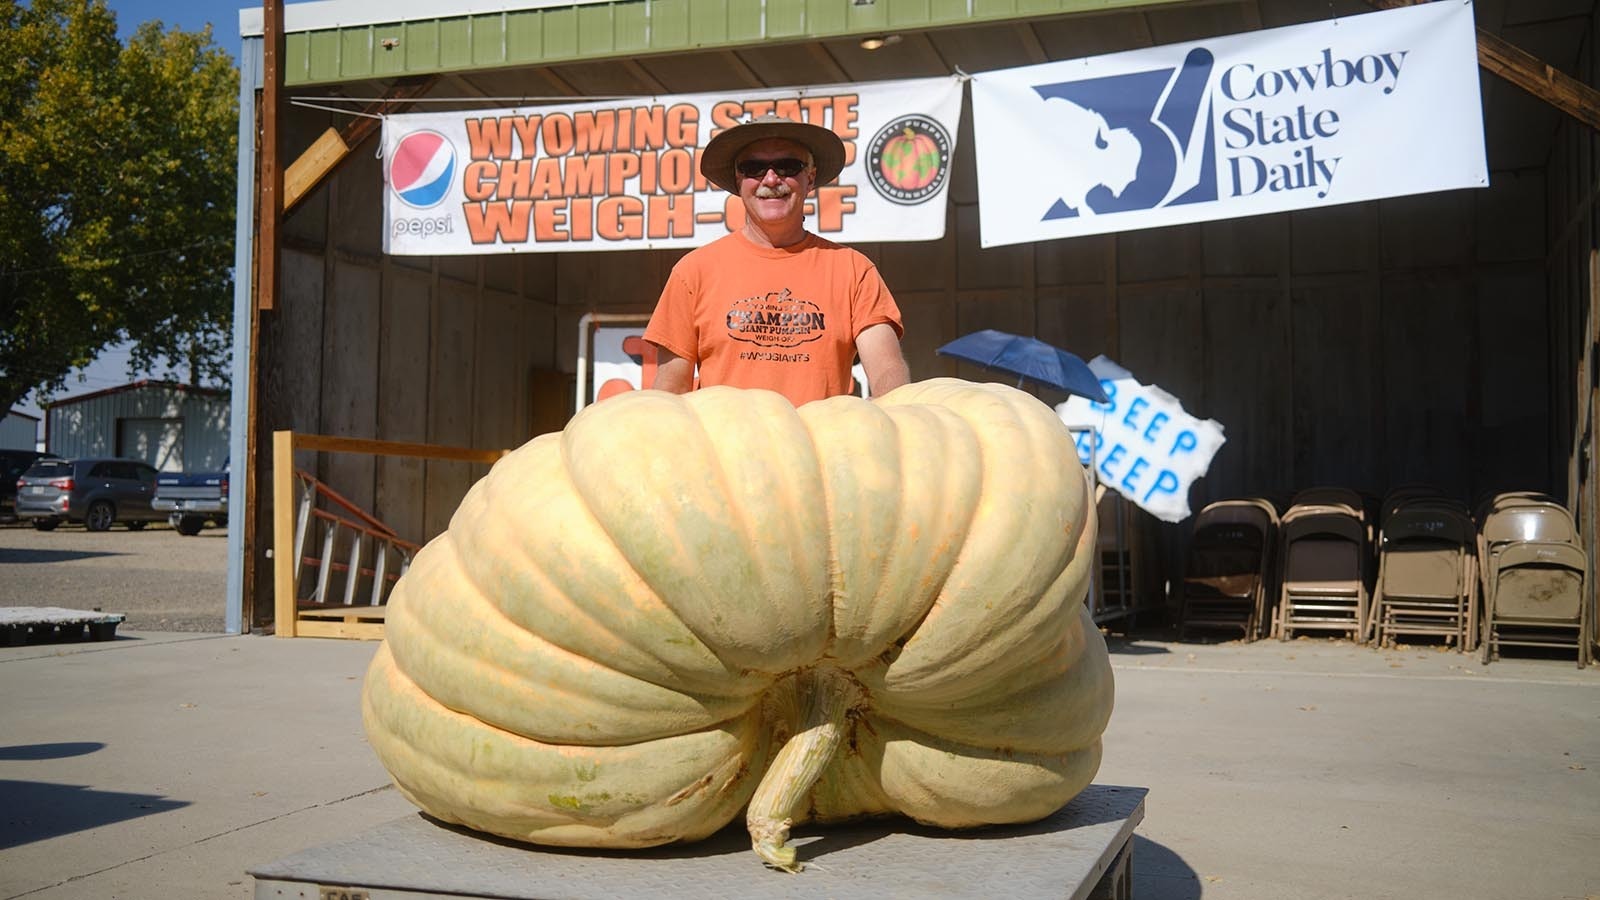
(893, 597)
(640, 572)
(708, 402)
(649, 506)
(478, 677)
(956, 533)
(837, 588)
(993, 583)
(836, 448)
(666, 673)
(529, 789)
(1036, 626)
(1074, 685)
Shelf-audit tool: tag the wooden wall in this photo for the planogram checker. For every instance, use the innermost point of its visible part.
(1370, 345)
(1573, 332)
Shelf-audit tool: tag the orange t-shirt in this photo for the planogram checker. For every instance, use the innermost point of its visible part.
(784, 319)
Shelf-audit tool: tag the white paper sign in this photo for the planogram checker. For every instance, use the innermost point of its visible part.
(1142, 443)
(623, 360)
(625, 174)
(1336, 111)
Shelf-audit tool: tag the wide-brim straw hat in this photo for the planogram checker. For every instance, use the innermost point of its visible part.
(716, 161)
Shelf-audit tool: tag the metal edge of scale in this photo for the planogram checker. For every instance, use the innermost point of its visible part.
(1081, 852)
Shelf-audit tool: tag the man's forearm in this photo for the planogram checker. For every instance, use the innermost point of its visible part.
(674, 374)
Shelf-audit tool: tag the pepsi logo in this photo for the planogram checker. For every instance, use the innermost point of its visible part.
(420, 168)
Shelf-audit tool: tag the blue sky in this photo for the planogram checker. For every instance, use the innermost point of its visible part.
(111, 368)
(190, 15)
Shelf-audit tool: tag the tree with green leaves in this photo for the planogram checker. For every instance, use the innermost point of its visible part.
(117, 174)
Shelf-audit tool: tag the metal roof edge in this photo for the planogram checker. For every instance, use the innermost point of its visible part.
(322, 15)
(133, 386)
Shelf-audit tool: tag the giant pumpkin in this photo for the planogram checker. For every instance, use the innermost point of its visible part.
(682, 607)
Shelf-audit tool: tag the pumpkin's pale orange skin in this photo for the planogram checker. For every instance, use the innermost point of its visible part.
(605, 647)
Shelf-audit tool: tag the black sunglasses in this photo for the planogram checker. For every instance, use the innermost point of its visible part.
(787, 167)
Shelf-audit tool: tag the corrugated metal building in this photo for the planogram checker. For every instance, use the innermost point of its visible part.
(173, 427)
(1436, 338)
(19, 431)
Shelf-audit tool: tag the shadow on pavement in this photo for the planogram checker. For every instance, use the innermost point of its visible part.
(1127, 646)
(9, 556)
(50, 751)
(36, 810)
(1159, 873)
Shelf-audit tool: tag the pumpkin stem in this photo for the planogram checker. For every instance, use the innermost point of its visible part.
(822, 698)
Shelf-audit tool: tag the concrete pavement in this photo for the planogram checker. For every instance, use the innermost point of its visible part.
(165, 765)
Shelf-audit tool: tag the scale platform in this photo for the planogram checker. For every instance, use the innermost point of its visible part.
(1083, 852)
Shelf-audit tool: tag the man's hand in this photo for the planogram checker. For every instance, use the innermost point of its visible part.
(879, 349)
(674, 374)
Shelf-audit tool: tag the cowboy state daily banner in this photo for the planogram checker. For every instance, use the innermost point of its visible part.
(625, 175)
(1350, 109)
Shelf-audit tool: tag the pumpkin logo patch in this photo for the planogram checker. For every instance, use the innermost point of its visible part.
(776, 319)
(908, 160)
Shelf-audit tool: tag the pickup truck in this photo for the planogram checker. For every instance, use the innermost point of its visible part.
(190, 498)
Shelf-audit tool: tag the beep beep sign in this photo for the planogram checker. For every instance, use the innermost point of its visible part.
(1337, 111)
(1141, 441)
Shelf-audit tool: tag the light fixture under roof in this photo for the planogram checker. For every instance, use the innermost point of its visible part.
(879, 41)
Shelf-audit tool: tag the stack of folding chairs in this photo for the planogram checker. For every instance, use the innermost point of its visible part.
(1534, 576)
(1228, 580)
(1427, 573)
(1324, 549)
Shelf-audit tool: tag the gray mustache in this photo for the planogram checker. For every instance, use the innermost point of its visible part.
(773, 193)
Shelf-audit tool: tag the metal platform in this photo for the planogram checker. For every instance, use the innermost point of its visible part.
(1082, 852)
(30, 624)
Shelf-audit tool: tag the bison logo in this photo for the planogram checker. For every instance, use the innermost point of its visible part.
(1136, 141)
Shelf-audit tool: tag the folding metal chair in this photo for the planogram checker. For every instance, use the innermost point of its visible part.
(1535, 579)
(1424, 574)
(1227, 578)
(1324, 557)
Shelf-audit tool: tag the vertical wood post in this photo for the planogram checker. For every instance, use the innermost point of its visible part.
(271, 209)
(1589, 398)
(283, 546)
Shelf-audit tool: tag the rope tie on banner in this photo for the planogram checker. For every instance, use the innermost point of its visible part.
(307, 103)
(377, 153)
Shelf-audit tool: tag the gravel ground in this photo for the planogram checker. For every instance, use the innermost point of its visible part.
(159, 579)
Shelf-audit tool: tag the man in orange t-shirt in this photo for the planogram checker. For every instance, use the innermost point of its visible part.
(772, 305)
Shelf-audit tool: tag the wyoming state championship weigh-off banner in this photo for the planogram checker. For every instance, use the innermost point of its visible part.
(1338, 111)
(625, 174)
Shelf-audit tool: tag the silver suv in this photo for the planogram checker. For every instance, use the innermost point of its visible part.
(96, 492)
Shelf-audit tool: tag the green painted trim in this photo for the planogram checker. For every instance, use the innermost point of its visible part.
(629, 28)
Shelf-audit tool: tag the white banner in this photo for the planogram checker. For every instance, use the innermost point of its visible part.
(1142, 443)
(625, 175)
(1338, 111)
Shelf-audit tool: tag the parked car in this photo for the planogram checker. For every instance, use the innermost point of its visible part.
(96, 492)
(12, 464)
(190, 498)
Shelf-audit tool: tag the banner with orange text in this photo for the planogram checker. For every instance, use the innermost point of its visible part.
(625, 174)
